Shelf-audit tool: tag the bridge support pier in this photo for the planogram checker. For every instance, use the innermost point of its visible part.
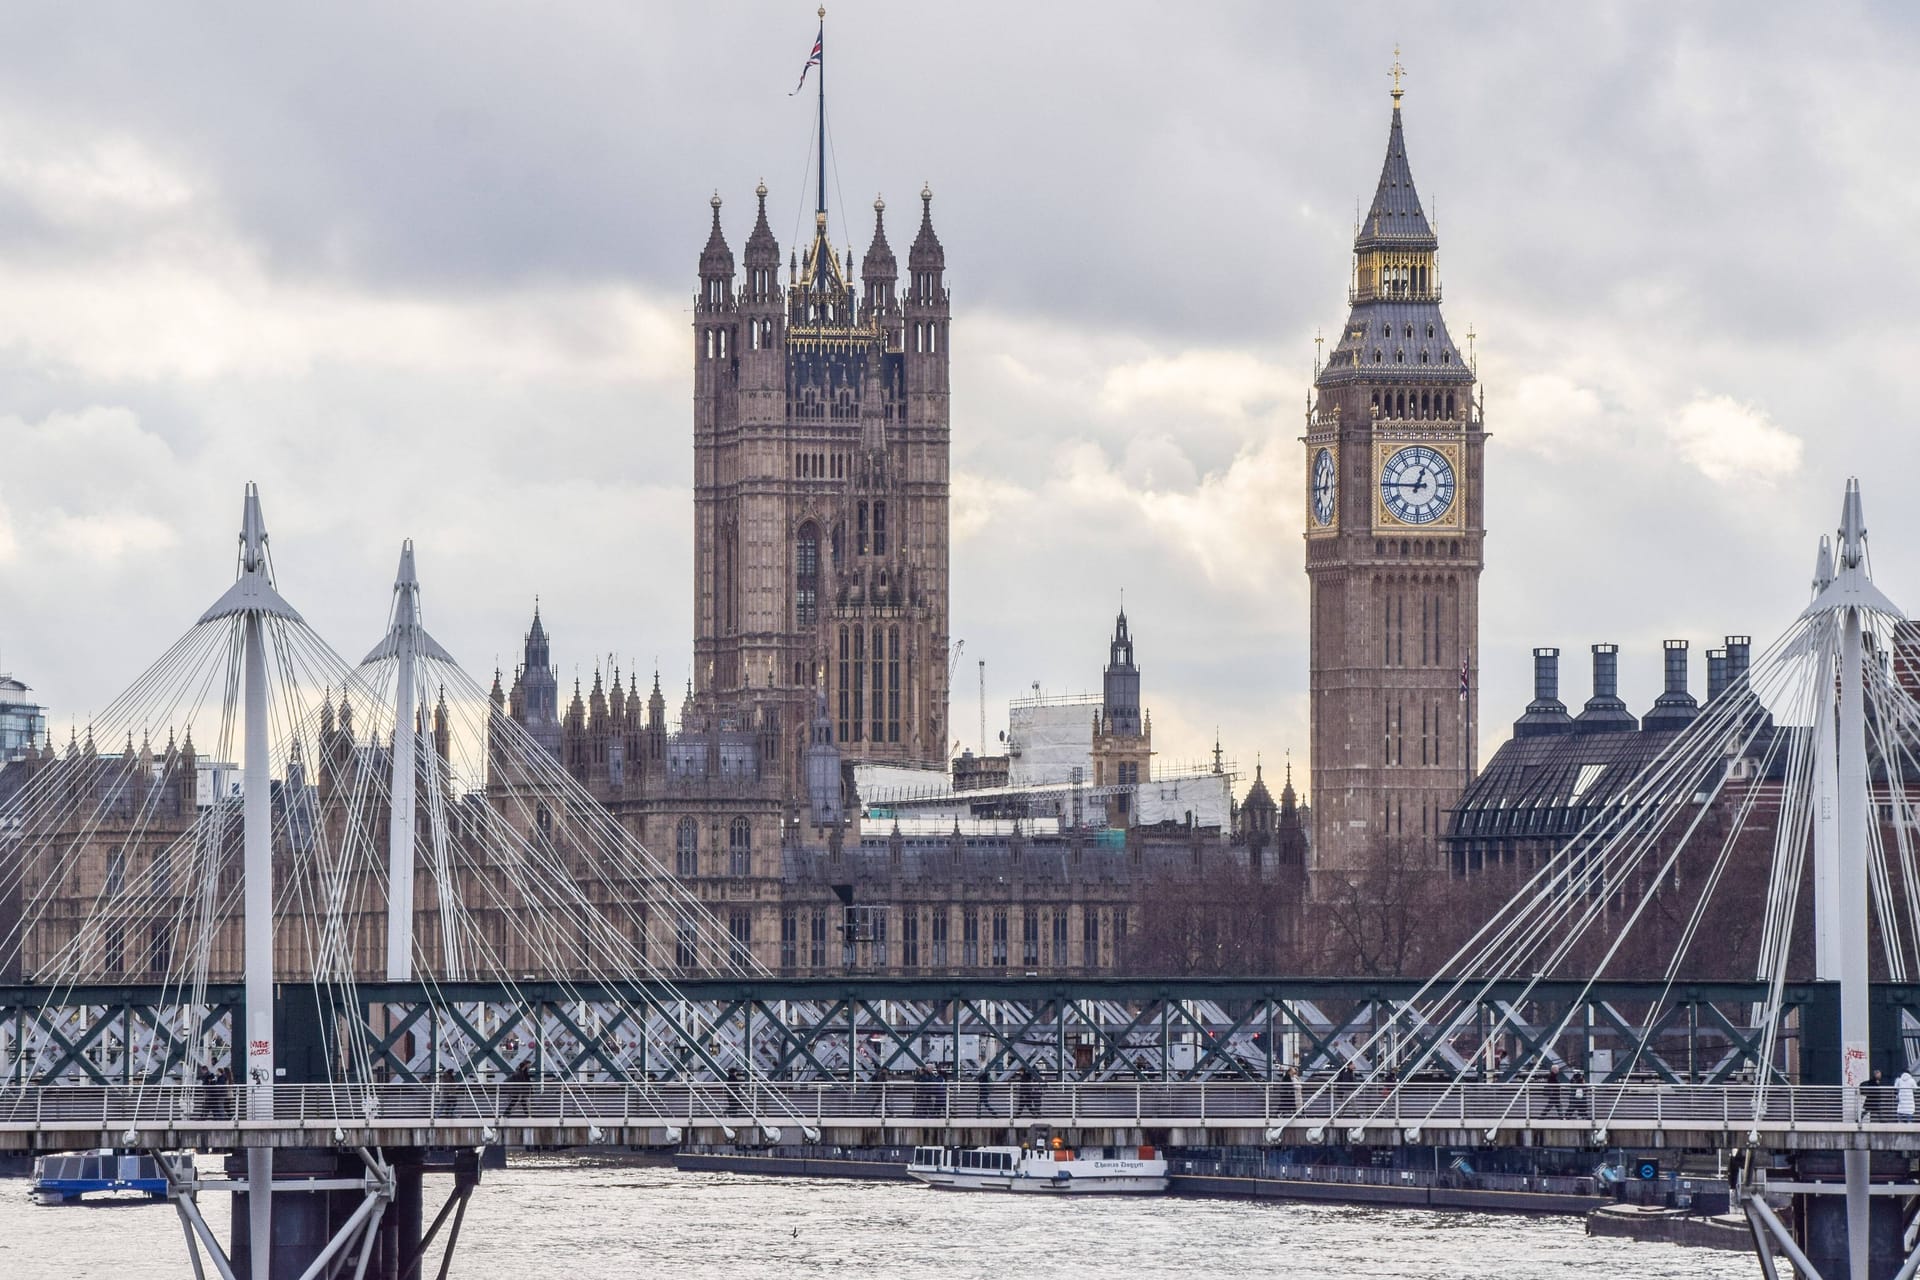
(1820, 1222)
(303, 1223)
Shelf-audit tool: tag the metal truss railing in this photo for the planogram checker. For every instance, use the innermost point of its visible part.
(1332, 1112)
(1094, 1030)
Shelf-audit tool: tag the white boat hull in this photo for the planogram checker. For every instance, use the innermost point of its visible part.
(1118, 1184)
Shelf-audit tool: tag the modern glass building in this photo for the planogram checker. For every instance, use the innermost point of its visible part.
(23, 722)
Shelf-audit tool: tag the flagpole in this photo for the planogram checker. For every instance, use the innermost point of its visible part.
(821, 84)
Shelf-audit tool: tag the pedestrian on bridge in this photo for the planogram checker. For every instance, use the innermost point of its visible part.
(1903, 1086)
(520, 1087)
(1553, 1107)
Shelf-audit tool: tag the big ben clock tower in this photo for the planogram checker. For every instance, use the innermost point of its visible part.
(1394, 535)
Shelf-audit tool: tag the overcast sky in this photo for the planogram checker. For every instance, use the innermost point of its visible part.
(426, 270)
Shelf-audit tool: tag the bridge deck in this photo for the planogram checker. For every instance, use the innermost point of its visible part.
(1186, 1113)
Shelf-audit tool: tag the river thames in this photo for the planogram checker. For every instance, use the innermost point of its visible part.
(610, 1220)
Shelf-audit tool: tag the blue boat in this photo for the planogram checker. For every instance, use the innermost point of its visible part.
(63, 1179)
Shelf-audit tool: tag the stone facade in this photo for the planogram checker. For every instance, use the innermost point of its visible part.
(820, 433)
(1394, 534)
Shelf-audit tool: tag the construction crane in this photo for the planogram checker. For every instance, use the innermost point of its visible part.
(953, 661)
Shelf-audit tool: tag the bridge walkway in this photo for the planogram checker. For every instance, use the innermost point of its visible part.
(559, 1113)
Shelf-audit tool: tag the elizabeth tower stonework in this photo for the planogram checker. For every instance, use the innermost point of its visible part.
(1394, 535)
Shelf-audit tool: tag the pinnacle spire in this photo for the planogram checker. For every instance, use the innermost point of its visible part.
(1395, 218)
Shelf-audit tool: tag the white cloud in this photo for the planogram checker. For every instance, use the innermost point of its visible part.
(1732, 443)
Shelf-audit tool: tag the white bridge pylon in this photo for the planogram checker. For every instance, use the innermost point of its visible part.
(346, 775)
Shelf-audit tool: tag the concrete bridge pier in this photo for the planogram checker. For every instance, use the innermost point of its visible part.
(303, 1221)
(1819, 1221)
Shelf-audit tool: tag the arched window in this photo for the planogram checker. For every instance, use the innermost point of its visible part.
(879, 528)
(846, 678)
(861, 543)
(1376, 355)
(1449, 404)
(686, 848)
(806, 576)
(740, 847)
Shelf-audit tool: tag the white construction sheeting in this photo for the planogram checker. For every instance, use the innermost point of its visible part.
(1206, 799)
(1049, 737)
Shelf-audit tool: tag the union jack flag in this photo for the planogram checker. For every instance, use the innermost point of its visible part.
(1463, 677)
(813, 59)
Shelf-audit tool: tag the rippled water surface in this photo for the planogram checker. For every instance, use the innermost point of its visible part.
(603, 1220)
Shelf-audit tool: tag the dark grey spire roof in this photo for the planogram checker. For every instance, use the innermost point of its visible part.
(1396, 219)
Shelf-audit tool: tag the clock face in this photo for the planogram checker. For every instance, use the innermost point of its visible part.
(1325, 476)
(1416, 485)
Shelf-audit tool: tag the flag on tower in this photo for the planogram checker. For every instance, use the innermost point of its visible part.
(1463, 677)
(813, 59)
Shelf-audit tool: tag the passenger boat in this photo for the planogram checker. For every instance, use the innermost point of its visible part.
(60, 1179)
(1052, 1168)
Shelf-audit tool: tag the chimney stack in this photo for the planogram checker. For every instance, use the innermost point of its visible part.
(1739, 658)
(1716, 674)
(1546, 714)
(1605, 712)
(1675, 708)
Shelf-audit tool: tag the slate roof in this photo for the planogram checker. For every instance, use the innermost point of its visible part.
(1396, 219)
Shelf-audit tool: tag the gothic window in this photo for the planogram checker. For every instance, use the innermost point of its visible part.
(938, 958)
(709, 344)
(161, 872)
(740, 847)
(860, 547)
(753, 335)
(1429, 331)
(879, 684)
(879, 528)
(740, 935)
(846, 672)
(933, 337)
(116, 947)
(817, 939)
(839, 540)
(998, 957)
(970, 938)
(159, 947)
(1089, 938)
(686, 848)
(1059, 937)
(859, 680)
(1030, 937)
(789, 938)
(686, 942)
(1449, 404)
(893, 684)
(1376, 355)
(806, 577)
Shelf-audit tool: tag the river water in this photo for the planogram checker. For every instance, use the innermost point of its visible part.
(585, 1219)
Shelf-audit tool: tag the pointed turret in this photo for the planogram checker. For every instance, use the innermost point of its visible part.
(879, 270)
(716, 263)
(497, 695)
(927, 255)
(762, 257)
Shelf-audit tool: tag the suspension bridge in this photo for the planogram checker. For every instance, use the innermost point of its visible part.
(411, 930)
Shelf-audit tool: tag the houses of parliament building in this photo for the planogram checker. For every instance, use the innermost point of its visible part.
(821, 432)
